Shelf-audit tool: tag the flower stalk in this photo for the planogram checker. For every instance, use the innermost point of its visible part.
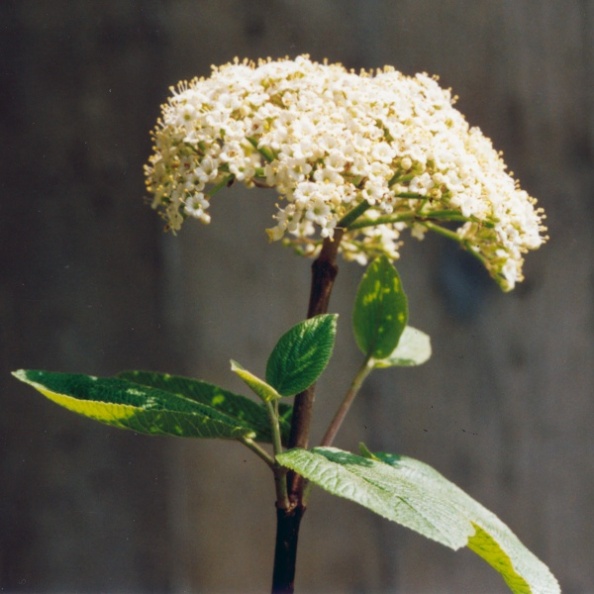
(324, 271)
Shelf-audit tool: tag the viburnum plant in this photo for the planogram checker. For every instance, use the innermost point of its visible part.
(356, 159)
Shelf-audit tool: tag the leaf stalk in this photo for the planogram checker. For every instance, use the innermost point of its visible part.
(342, 411)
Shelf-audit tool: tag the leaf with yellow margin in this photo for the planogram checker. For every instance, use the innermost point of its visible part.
(415, 495)
(120, 402)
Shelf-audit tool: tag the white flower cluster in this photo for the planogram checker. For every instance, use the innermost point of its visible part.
(329, 140)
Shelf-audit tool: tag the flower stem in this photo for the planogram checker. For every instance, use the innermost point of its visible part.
(324, 271)
(426, 219)
(353, 214)
(288, 519)
(455, 237)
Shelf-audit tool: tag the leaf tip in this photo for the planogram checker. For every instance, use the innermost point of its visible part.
(366, 452)
(235, 366)
(22, 375)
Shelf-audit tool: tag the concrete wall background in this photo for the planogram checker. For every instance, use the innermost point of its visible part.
(90, 284)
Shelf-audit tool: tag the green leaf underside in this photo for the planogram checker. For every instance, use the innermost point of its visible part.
(263, 390)
(131, 405)
(301, 355)
(414, 495)
(252, 414)
(414, 348)
(381, 310)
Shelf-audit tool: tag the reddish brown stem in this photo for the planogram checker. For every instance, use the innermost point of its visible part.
(285, 551)
(323, 274)
(324, 271)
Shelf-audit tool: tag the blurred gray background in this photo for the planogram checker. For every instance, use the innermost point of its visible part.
(90, 283)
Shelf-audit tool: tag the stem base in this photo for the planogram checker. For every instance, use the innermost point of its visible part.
(285, 551)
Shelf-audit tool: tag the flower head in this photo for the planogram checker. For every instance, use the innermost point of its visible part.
(331, 140)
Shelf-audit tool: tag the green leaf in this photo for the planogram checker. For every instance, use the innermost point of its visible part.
(259, 387)
(252, 414)
(381, 310)
(301, 355)
(414, 348)
(131, 405)
(414, 495)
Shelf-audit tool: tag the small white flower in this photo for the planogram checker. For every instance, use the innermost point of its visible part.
(382, 152)
(406, 163)
(328, 139)
(196, 205)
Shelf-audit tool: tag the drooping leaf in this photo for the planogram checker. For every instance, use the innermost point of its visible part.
(414, 348)
(130, 405)
(247, 411)
(301, 355)
(414, 495)
(381, 310)
(258, 386)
